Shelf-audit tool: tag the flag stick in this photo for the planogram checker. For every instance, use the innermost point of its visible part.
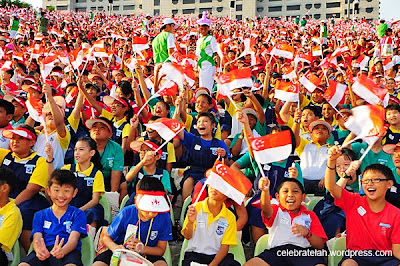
(334, 108)
(365, 153)
(201, 192)
(84, 67)
(233, 102)
(147, 102)
(166, 142)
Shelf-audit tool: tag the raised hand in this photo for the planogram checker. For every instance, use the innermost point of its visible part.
(191, 214)
(263, 184)
(41, 251)
(57, 251)
(299, 230)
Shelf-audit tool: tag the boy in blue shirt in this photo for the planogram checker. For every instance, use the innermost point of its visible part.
(59, 224)
(144, 227)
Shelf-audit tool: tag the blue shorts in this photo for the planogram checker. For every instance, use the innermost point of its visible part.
(372, 260)
(271, 257)
(95, 214)
(254, 213)
(74, 257)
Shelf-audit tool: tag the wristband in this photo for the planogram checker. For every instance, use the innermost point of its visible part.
(330, 168)
(309, 234)
(50, 161)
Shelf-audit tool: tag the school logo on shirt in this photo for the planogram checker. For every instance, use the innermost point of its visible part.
(29, 168)
(153, 235)
(164, 155)
(89, 181)
(110, 161)
(68, 225)
(221, 227)
(214, 151)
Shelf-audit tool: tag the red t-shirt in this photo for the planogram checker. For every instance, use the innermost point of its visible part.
(365, 229)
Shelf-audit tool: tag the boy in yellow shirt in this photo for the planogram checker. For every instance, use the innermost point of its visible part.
(10, 216)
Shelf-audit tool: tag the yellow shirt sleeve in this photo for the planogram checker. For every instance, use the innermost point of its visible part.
(199, 205)
(189, 121)
(3, 153)
(98, 183)
(66, 167)
(40, 175)
(106, 114)
(218, 132)
(290, 122)
(229, 237)
(305, 102)
(64, 142)
(126, 130)
(171, 153)
(74, 123)
(300, 149)
(11, 226)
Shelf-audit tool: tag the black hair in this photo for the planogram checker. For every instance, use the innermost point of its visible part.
(89, 85)
(72, 84)
(393, 107)
(380, 168)
(209, 99)
(280, 128)
(21, 65)
(154, 118)
(10, 72)
(96, 159)
(260, 99)
(28, 127)
(293, 180)
(63, 177)
(109, 123)
(209, 115)
(313, 109)
(7, 176)
(351, 155)
(149, 183)
(8, 106)
(126, 88)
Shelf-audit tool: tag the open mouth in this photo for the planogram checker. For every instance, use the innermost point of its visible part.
(201, 128)
(290, 201)
(371, 191)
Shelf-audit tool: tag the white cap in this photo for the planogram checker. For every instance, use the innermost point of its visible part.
(148, 15)
(167, 21)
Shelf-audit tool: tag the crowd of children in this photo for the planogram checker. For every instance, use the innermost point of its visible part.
(94, 109)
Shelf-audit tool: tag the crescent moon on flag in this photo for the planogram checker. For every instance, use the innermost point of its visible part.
(256, 144)
(221, 171)
(175, 126)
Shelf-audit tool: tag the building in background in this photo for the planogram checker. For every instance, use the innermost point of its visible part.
(238, 9)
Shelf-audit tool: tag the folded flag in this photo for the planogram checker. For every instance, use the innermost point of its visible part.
(283, 50)
(367, 122)
(388, 63)
(287, 91)
(34, 107)
(289, 72)
(368, 90)
(362, 61)
(334, 93)
(316, 51)
(139, 44)
(310, 81)
(166, 128)
(340, 51)
(272, 147)
(232, 80)
(303, 57)
(231, 183)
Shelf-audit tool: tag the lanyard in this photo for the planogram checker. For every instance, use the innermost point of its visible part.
(148, 231)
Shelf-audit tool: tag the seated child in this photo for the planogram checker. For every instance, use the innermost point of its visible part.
(10, 216)
(372, 224)
(148, 166)
(57, 230)
(209, 240)
(291, 226)
(142, 227)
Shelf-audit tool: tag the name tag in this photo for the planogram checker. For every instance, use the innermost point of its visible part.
(6, 162)
(361, 211)
(197, 147)
(201, 224)
(46, 225)
(118, 133)
(214, 151)
(284, 220)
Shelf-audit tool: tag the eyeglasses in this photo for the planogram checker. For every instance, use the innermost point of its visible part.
(373, 181)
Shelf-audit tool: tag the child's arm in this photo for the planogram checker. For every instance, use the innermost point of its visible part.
(221, 254)
(55, 111)
(396, 250)
(191, 218)
(135, 170)
(40, 247)
(315, 241)
(93, 103)
(152, 251)
(110, 244)
(330, 183)
(263, 185)
(59, 251)
(93, 202)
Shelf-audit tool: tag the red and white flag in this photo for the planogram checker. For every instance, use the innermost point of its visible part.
(368, 90)
(139, 44)
(174, 72)
(303, 57)
(71, 95)
(287, 91)
(99, 52)
(18, 56)
(289, 72)
(362, 61)
(231, 183)
(34, 107)
(310, 81)
(76, 58)
(388, 63)
(232, 80)
(167, 88)
(6, 66)
(334, 93)
(340, 51)
(367, 122)
(47, 65)
(272, 147)
(316, 51)
(166, 128)
(283, 50)
(99, 44)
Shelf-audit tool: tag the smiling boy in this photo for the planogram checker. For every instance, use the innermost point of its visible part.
(373, 224)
